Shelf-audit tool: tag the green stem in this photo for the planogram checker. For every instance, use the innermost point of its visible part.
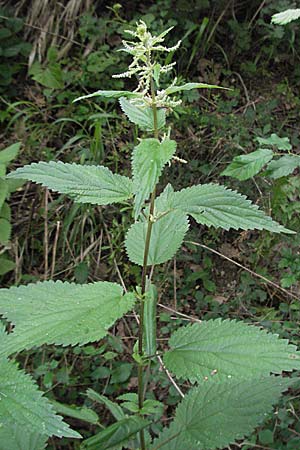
(144, 276)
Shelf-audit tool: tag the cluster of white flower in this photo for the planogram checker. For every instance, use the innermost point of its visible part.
(145, 68)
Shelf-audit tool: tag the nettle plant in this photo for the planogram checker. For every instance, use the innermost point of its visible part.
(233, 369)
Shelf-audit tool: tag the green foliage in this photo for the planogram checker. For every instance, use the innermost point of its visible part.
(246, 166)
(117, 434)
(217, 206)
(143, 117)
(229, 358)
(168, 232)
(148, 161)
(218, 350)
(15, 439)
(214, 415)
(84, 184)
(6, 156)
(60, 313)
(13, 50)
(31, 412)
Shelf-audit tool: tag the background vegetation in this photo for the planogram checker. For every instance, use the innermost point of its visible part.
(52, 52)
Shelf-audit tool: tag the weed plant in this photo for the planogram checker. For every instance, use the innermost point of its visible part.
(232, 372)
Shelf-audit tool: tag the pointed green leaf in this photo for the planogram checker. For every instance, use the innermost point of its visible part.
(14, 438)
(85, 184)
(109, 94)
(189, 86)
(22, 404)
(167, 235)
(285, 17)
(246, 166)
(217, 206)
(215, 415)
(9, 153)
(275, 141)
(282, 166)
(82, 413)
(60, 313)
(114, 408)
(116, 434)
(142, 115)
(148, 161)
(220, 349)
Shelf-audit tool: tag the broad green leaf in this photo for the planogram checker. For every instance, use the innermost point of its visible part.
(9, 153)
(275, 141)
(285, 17)
(5, 231)
(114, 408)
(142, 115)
(167, 235)
(82, 413)
(109, 94)
(50, 77)
(22, 405)
(220, 349)
(117, 434)
(6, 265)
(14, 438)
(150, 320)
(3, 191)
(60, 313)
(189, 86)
(282, 166)
(85, 184)
(217, 206)
(246, 166)
(148, 160)
(215, 415)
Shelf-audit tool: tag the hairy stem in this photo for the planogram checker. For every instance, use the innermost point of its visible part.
(144, 275)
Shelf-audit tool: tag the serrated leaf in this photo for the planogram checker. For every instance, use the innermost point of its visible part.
(243, 167)
(275, 141)
(22, 404)
(5, 231)
(220, 349)
(148, 161)
(9, 153)
(114, 408)
(189, 86)
(14, 438)
(282, 166)
(84, 184)
(143, 115)
(285, 17)
(167, 235)
(109, 94)
(217, 206)
(60, 313)
(82, 413)
(215, 415)
(116, 434)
